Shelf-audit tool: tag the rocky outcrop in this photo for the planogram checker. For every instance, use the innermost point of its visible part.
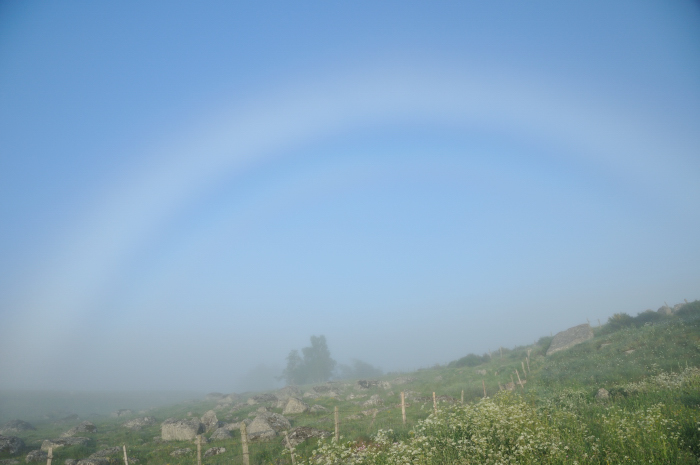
(84, 427)
(210, 421)
(267, 425)
(11, 444)
(295, 406)
(138, 423)
(15, 426)
(37, 456)
(60, 442)
(220, 434)
(373, 400)
(214, 451)
(180, 430)
(569, 338)
(366, 383)
(302, 433)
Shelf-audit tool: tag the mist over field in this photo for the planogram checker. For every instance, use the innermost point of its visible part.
(191, 192)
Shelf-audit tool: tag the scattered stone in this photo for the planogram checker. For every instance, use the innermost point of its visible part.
(602, 394)
(302, 433)
(15, 426)
(357, 416)
(70, 462)
(630, 351)
(210, 421)
(37, 456)
(605, 344)
(106, 452)
(180, 430)
(370, 413)
(9, 462)
(569, 338)
(385, 384)
(60, 442)
(94, 461)
(122, 412)
(373, 400)
(220, 434)
(403, 380)
(510, 386)
(11, 444)
(180, 452)
(138, 423)
(214, 451)
(263, 398)
(366, 383)
(311, 395)
(318, 408)
(481, 372)
(295, 406)
(84, 427)
(267, 425)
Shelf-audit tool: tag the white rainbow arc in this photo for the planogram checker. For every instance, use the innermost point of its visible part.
(630, 148)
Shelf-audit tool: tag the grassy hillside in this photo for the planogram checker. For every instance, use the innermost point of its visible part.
(648, 365)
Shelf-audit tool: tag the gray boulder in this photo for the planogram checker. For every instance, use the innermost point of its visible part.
(15, 426)
(180, 430)
(373, 400)
(110, 451)
(602, 394)
(11, 444)
(37, 456)
(214, 451)
(318, 408)
(569, 338)
(210, 421)
(366, 383)
(220, 434)
(138, 423)
(94, 461)
(266, 425)
(302, 433)
(70, 462)
(84, 427)
(60, 442)
(665, 310)
(9, 462)
(294, 406)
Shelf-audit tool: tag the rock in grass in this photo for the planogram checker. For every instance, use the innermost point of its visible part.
(37, 456)
(180, 430)
(60, 442)
(302, 433)
(210, 421)
(15, 426)
(318, 408)
(84, 427)
(180, 452)
(214, 451)
(138, 423)
(294, 406)
(569, 338)
(220, 434)
(11, 444)
(602, 394)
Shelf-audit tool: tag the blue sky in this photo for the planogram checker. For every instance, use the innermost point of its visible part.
(188, 191)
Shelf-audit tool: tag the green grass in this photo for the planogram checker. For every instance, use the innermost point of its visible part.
(651, 417)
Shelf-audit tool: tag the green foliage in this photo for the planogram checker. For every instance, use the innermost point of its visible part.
(470, 360)
(315, 366)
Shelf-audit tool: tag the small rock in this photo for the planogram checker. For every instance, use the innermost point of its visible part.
(220, 434)
(214, 451)
(11, 444)
(481, 372)
(15, 426)
(37, 456)
(318, 408)
(138, 423)
(630, 351)
(60, 442)
(180, 452)
(122, 412)
(210, 421)
(84, 427)
(373, 400)
(70, 462)
(602, 394)
(302, 433)
(180, 430)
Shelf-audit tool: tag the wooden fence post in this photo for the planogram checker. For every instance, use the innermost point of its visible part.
(523, 365)
(291, 449)
(126, 460)
(462, 395)
(50, 456)
(199, 449)
(244, 444)
(483, 383)
(337, 424)
(528, 363)
(403, 407)
(434, 403)
(521, 383)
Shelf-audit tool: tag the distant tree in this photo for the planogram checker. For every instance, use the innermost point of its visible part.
(359, 369)
(315, 366)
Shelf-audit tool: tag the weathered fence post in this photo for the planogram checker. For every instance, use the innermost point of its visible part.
(50, 456)
(434, 403)
(403, 407)
(337, 425)
(244, 444)
(199, 449)
(528, 363)
(483, 383)
(126, 460)
(462, 395)
(519, 381)
(291, 449)
(523, 365)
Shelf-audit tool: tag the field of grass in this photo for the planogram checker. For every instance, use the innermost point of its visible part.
(648, 364)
